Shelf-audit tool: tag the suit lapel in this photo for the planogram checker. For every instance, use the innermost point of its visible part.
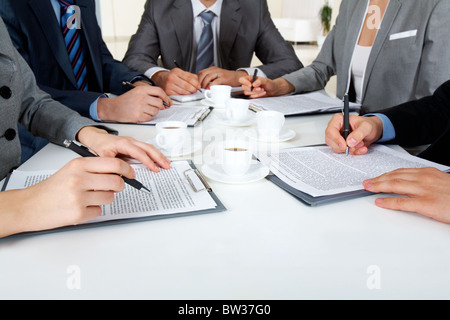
(45, 15)
(228, 29)
(182, 20)
(382, 36)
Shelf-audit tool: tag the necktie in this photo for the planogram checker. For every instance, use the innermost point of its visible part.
(72, 39)
(205, 51)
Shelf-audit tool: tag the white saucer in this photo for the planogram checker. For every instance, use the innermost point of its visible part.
(211, 104)
(257, 172)
(285, 135)
(186, 149)
(251, 118)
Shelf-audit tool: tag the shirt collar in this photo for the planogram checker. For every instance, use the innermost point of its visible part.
(199, 7)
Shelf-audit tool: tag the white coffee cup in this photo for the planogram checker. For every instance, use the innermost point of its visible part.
(237, 158)
(237, 110)
(218, 94)
(270, 124)
(171, 134)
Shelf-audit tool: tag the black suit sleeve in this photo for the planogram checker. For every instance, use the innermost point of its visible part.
(422, 121)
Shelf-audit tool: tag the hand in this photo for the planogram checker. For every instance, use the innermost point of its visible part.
(140, 104)
(365, 131)
(265, 87)
(71, 196)
(217, 76)
(107, 145)
(427, 191)
(177, 82)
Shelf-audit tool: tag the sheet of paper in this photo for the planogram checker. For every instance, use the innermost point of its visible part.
(314, 102)
(188, 114)
(171, 193)
(319, 171)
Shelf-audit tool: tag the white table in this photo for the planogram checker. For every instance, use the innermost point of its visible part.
(267, 245)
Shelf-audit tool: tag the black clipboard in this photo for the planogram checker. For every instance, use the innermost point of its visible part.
(219, 208)
(316, 201)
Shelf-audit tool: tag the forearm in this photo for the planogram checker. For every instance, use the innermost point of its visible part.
(12, 207)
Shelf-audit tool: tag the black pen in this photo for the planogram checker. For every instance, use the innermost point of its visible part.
(84, 151)
(346, 120)
(254, 78)
(132, 86)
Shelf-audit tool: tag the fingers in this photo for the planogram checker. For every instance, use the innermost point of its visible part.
(207, 76)
(144, 152)
(333, 134)
(182, 83)
(400, 204)
(257, 86)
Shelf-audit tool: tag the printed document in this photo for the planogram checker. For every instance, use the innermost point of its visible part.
(318, 171)
(171, 193)
(188, 114)
(314, 102)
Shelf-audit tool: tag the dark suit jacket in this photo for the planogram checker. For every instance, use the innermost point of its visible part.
(37, 35)
(425, 121)
(166, 30)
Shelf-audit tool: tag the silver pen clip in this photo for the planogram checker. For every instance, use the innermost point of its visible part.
(68, 142)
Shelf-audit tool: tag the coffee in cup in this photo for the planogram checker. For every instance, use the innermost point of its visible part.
(171, 134)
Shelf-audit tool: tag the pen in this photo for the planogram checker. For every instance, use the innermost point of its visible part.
(346, 120)
(84, 151)
(254, 78)
(132, 86)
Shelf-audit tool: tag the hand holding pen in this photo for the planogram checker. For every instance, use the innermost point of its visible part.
(84, 151)
(131, 86)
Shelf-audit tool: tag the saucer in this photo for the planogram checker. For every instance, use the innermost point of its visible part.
(186, 149)
(285, 135)
(211, 104)
(256, 172)
(251, 117)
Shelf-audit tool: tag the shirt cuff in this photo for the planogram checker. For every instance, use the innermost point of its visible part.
(388, 128)
(152, 71)
(93, 108)
(251, 71)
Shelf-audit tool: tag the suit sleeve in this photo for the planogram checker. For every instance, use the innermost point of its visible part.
(436, 48)
(421, 121)
(277, 55)
(144, 49)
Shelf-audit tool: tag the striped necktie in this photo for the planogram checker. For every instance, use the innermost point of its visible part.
(72, 39)
(205, 51)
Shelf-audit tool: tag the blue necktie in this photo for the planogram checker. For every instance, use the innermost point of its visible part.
(72, 39)
(205, 51)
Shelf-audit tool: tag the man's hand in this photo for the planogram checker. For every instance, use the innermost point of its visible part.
(217, 76)
(177, 82)
(427, 192)
(140, 104)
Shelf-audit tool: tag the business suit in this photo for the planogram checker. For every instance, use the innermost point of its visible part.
(408, 61)
(425, 121)
(21, 100)
(166, 31)
(37, 35)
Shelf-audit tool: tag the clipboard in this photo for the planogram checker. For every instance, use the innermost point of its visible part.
(189, 174)
(311, 201)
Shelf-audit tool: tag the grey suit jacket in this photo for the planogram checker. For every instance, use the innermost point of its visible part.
(166, 30)
(402, 66)
(21, 100)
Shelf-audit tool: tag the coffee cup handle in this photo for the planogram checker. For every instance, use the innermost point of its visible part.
(160, 141)
(207, 95)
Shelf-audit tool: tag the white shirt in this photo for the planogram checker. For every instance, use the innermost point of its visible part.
(197, 8)
(358, 69)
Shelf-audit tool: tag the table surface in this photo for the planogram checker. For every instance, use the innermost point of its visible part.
(267, 245)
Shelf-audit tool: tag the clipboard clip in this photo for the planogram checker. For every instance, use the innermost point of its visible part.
(197, 187)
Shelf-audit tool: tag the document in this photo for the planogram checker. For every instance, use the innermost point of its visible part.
(318, 171)
(171, 193)
(188, 114)
(308, 103)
